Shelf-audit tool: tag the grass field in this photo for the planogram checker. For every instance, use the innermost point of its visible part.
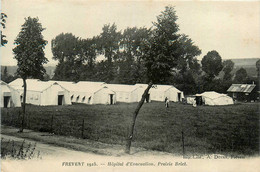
(222, 129)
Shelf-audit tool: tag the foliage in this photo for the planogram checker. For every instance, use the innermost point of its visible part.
(240, 76)
(109, 42)
(108, 45)
(188, 68)
(228, 66)
(160, 50)
(130, 65)
(11, 149)
(64, 47)
(212, 64)
(3, 21)
(29, 49)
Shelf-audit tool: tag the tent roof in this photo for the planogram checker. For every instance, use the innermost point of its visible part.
(4, 87)
(90, 83)
(243, 88)
(3, 83)
(212, 95)
(66, 84)
(19, 81)
(87, 88)
(121, 87)
(32, 84)
(161, 88)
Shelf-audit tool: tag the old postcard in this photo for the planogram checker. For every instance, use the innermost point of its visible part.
(130, 85)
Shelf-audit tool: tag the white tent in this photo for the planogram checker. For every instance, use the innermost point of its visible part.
(89, 93)
(9, 96)
(43, 93)
(124, 93)
(160, 92)
(213, 98)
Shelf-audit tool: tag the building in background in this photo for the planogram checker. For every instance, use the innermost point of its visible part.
(243, 92)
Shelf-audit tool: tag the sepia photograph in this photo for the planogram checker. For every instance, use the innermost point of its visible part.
(140, 85)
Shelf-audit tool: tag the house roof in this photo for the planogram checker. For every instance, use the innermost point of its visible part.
(243, 88)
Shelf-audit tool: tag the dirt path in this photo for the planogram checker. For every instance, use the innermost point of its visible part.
(83, 145)
(47, 150)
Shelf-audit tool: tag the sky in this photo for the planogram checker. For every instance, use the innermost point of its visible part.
(230, 27)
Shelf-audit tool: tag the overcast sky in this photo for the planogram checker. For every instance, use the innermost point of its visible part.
(231, 28)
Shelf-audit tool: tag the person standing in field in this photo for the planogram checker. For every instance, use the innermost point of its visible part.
(166, 102)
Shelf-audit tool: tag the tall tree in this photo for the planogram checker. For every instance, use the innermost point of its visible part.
(212, 64)
(88, 55)
(29, 53)
(109, 46)
(241, 76)
(66, 48)
(160, 57)
(3, 21)
(129, 62)
(188, 68)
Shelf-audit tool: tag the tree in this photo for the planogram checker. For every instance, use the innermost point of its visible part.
(187, 65)
(29, 53)
(67, 49)
(160, 57)
(109, 46)
(129, 62)
(240, 76)
(88, 54)
(3, 21)
(64, 47)
(226, 82)
(228, 66)
(212, 64)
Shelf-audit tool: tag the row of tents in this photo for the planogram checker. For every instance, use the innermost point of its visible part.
(45, 93)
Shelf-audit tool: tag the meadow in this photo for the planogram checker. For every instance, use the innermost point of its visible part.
(232, 129)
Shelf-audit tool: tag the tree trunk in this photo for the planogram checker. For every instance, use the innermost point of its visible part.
(131, 131)
(23, 105)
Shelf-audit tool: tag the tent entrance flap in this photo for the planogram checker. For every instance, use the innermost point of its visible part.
(6, 101)
(179, 97)
(111, 99)
(60, 99)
